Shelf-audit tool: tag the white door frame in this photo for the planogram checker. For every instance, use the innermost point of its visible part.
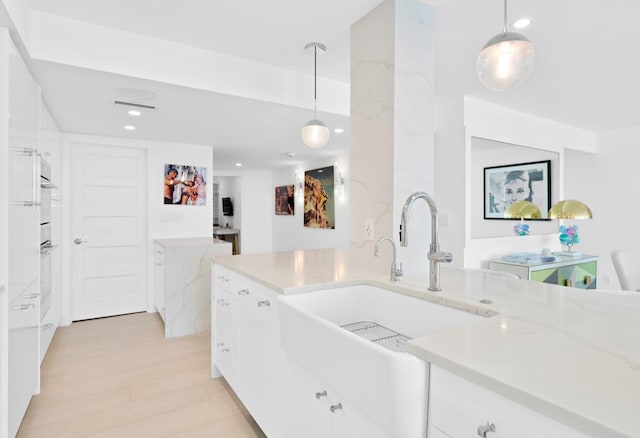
(68, 141)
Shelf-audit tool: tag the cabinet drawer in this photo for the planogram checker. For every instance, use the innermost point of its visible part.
(227, 279)
(226, 314)
(459, 407)
(226, 359)
(581, 275)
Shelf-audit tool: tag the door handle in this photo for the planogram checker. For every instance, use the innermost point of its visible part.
(79, 241)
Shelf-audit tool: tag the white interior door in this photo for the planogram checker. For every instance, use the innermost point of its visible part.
(108, 209)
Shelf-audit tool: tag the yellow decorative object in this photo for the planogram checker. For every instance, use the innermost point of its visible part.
(522, 210)
(570, 209)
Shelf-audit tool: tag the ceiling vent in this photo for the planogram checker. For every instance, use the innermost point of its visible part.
(134, 104)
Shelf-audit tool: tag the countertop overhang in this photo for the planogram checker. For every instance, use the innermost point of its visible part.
(570, 354)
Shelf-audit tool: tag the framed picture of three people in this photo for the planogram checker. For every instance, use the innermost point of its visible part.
(185, 185)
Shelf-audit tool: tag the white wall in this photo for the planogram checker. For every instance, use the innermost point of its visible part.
(254, 211)
(490, 121)
(163, 221)
(289, 232)
(606, 183)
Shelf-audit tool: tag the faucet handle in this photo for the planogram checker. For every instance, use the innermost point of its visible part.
(396, 271)
(440, 257)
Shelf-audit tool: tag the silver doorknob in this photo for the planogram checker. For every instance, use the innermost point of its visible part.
(79, 241)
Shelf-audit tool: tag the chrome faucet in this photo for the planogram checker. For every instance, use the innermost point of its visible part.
(435, 256)
(396, 269)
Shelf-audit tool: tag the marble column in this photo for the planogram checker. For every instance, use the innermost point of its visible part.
(392, 127)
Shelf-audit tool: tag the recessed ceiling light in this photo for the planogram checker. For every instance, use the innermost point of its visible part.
(338, 130)
(134, 113)
(129, 127)
(238, 164)
(521, 23)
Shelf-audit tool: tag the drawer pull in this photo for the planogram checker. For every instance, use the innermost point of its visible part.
(24, 307)
(243, 292)
(221, 278)
(587, 279)
(220, 344)
(264, 303)
(225, 350)
(568, 282)
(484, 430)
(32, 296)
(321, 394)
(46, 327)
(334, 408)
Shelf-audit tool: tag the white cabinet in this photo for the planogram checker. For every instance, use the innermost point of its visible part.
(246, 345)
(23, 240)
(459, 407)
(24, 353)
(51, 148)
(314, 409)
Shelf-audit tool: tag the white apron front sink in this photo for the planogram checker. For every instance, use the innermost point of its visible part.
(390, 387)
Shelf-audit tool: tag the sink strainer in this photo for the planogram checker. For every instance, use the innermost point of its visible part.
(374, 332)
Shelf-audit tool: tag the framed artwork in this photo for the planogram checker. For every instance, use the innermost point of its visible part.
(319, 198)
(185, 185)
(284, 204)
(504, 185)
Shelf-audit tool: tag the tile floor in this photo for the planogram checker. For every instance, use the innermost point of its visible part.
(119, 377)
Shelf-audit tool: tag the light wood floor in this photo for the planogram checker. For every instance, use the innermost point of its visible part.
(119, 377)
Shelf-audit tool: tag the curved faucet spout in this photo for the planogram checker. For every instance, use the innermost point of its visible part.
(396, 269)
(435, 256)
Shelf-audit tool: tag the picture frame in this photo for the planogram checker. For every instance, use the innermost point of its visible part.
(284, 200)
(506, 184)
(185, 185)
(319, 198)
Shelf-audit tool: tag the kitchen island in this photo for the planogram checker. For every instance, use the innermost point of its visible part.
(568, 355)
(182, 278)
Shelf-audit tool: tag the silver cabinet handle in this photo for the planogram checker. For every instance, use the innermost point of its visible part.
(79, 241)
(321, 394)
(32, 296)
(243, 292)
(24, 307)
(221, 277)
(334, 408)
(484, 430)
(220, 344)
(225, 350)
(266, 303)
(46, 327)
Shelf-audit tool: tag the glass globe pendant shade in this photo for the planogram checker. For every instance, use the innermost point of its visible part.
(505, 61)
(315, 134)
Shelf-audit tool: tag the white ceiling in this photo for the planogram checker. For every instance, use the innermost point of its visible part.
(586, 72)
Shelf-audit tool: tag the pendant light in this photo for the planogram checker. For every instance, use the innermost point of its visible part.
(315, 133)
(506, 60)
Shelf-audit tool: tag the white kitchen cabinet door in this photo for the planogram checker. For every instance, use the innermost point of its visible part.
(260, 363)
(305, 404)
(459, 407)
(24, 352)
(159, 282)
(437, 433)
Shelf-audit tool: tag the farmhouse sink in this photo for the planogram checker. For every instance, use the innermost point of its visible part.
(330, 333)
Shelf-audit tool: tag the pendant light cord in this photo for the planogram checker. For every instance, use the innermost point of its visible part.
(315, 80)
(505, 17)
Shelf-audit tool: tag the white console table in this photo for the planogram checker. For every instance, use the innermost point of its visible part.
(183, 282)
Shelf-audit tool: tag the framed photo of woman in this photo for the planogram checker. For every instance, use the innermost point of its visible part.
(504, 185)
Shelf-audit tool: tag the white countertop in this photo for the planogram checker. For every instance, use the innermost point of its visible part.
(572, 355)
(190, 241)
